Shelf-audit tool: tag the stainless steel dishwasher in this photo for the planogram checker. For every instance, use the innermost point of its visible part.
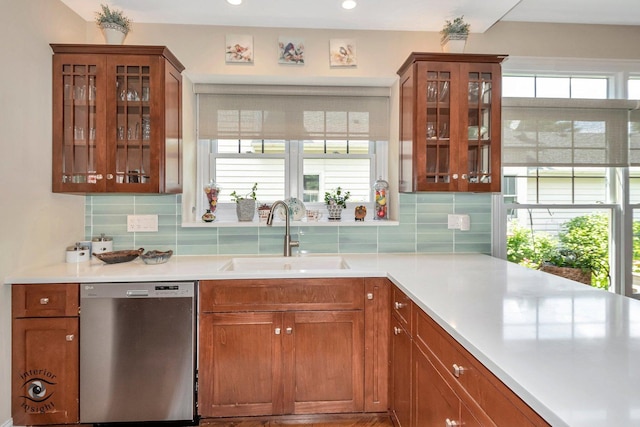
(137, 352)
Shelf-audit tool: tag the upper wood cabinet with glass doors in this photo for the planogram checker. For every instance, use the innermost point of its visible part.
(117, 119)
(450, 122)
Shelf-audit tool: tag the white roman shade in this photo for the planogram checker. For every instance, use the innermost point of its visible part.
(539, 132)
(292, 112)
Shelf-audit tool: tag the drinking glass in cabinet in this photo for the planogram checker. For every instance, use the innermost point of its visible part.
(432, 90)
(444, 91)
(431, 130)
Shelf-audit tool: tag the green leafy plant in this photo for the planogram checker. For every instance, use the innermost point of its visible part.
(582, 243)
(457, 27)
(114, 17)
(337, 197)
(250, 195)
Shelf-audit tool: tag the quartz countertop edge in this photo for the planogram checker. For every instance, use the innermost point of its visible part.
(570, 351)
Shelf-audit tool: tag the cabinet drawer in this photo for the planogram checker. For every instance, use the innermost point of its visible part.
(456, 363)
(282, 294)
(46, 300)
(402, 308)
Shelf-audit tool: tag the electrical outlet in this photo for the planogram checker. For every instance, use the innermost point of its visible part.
(142, 223)
(458, 222)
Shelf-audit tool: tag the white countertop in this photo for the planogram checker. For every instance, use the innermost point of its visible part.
(570, 351)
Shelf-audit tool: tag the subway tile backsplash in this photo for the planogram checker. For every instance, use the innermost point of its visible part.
(422, 228)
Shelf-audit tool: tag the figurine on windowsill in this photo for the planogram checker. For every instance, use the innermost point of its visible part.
(361, 212)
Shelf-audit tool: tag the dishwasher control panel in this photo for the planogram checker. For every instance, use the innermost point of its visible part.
(138, 290)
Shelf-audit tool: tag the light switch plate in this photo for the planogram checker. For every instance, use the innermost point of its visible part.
(459, 222)
(142, 223)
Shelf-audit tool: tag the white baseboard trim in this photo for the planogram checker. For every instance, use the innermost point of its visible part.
(8, 423)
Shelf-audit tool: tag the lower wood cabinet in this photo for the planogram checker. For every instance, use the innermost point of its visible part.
(45, 354)
(294, 346)
(436, 382)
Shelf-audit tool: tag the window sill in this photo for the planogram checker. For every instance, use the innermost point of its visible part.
(279, 223)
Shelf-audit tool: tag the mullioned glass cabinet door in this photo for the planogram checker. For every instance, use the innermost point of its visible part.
(79, 123)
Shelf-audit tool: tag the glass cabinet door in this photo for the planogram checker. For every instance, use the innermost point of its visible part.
(438, 127)
(479, 127)
(133, 126)
(79, 158)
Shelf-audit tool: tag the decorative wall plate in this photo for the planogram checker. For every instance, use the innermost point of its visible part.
(297, 210)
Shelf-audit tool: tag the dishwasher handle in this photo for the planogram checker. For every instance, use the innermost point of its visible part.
(138, 293)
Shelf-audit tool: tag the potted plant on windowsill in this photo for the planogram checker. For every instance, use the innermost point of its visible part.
(115, 26)
(245, 205)
(336, 201)
(454, 35)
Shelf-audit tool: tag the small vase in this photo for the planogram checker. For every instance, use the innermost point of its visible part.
(335, 212)
(113, 33)
(208, 216)
(246, 209)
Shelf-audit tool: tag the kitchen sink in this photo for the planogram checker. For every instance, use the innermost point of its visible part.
(284, 263)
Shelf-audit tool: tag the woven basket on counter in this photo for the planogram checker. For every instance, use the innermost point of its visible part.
(576, 274)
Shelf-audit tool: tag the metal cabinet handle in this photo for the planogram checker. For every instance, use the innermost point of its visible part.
(452, 423)
(454, 176)
(399, 305)
(277, 331)
(464, 176)
(44, 301)
(458, 370)
(70, 337)
(370, 295)
(396, 330)
(109, 176)
(289, 331)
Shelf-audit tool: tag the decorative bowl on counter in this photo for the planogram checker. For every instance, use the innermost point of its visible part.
(116, 257)
(156, 257)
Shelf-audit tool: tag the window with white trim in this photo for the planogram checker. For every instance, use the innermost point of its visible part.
(294, 141)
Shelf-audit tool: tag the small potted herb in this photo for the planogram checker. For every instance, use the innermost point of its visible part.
(454, 35)
(336, 201)
(113, 23)
(245, 205)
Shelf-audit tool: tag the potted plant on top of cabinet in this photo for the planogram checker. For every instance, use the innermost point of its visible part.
(115, 26)
(454, 35)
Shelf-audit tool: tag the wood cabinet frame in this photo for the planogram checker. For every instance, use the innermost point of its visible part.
(85, 159)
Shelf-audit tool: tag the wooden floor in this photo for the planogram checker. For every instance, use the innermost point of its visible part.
(359, 420)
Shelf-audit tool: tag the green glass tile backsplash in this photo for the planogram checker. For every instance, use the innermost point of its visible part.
(422, 228)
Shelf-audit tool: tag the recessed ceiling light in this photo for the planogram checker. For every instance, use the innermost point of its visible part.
(349, 4)
(234, 2)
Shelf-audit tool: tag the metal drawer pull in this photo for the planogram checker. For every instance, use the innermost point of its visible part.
(277, 331)
(370, 295)
(44, 301)
(458, 370)
(289, 330)
(451, 423)
(399, 305)
(70, 337)
(396, 330)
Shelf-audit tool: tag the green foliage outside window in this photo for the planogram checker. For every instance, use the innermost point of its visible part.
(583, 242)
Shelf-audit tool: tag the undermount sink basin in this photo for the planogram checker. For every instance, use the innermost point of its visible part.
(284, 263)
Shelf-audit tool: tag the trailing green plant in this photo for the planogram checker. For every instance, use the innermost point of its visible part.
(457, 27)
(337, 197)
(108, 16)
(250, 195)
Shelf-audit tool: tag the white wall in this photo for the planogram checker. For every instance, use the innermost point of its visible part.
(37, 225)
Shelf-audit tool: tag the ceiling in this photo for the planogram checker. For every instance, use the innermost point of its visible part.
(403, 15)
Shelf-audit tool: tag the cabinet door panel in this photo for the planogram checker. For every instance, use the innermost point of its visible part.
(434, 401)
(376, 344)
(240, 364)
(400, 374)
(324, 361)
(45, 360)
(78, 123)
